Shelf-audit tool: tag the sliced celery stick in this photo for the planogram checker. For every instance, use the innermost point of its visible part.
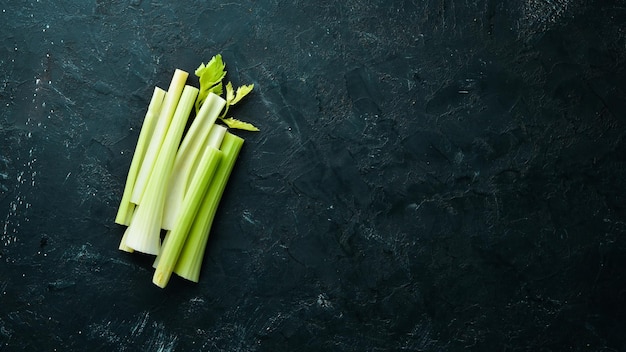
(202, 123)
(190, 260)
(172, 247)
(214, 140)
(188, 154)
(216, 135)
(165, 118)
(126, 208)
(145, 228)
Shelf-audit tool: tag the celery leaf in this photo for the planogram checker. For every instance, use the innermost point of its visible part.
(241, 92)
(211, 73)
(232, 122)
(210, 78)
(230, 93)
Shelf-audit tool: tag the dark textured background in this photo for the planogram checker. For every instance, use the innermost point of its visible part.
(436, 175)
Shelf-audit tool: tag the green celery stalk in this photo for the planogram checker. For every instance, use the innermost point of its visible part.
(145, 228)
(213, 140)
(190, 260)
(165, 118)
(200, 181)
(188, 154)
(126, 208)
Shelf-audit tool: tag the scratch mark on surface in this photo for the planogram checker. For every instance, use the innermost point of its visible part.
(141, 324)
(161, 341)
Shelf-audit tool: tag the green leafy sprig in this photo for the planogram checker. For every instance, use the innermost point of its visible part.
(210, 77)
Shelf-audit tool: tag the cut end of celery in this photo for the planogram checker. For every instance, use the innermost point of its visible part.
(161, 277)
(123, 246)
(125, 213)
(191, 275)
(143, 233)
(144, 244)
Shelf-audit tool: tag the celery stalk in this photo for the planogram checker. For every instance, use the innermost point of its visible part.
(190, 260)
(126, 208)
(145, 228)
(176, 237)
(187, 155)
(165, 118)
(213, 140)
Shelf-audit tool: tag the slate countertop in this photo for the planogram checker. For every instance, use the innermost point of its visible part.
(429, 176)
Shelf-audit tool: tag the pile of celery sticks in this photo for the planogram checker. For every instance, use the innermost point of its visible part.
(178, 174)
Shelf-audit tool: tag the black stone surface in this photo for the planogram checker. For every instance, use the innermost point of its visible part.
(436, 175)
